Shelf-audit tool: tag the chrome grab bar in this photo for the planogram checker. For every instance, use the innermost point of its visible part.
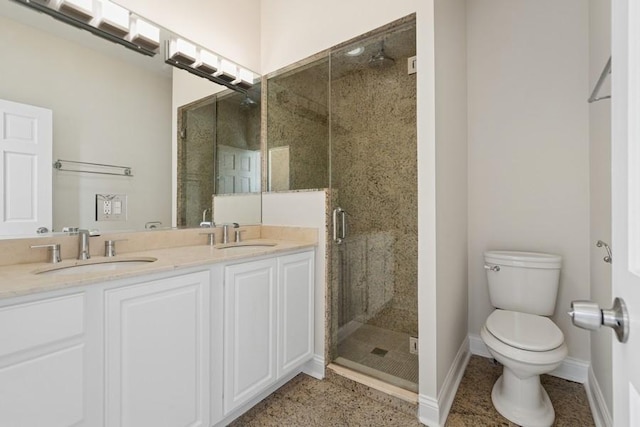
(495, 268)
(607, 258)
(343, 232)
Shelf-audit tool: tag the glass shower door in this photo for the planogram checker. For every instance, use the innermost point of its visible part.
(374, 199)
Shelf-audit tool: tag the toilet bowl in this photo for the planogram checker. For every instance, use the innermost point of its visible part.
(517, 341)
(523, 288)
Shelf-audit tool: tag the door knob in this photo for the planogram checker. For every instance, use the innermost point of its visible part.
(588, 315)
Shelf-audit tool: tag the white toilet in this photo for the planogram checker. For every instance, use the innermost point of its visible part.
(523, 287)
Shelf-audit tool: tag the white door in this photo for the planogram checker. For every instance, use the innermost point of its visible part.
(626, 204)
(238, 170)
(25, 168)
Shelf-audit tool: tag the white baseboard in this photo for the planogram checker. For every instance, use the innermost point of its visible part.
(478, 347)
(599, 409)
(315, 367)
(428, 411)
(571, 369)
(434, 412)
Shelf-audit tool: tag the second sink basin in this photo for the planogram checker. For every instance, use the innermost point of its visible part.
(102, 265)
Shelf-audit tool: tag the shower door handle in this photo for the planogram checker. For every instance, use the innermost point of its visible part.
(339, 237)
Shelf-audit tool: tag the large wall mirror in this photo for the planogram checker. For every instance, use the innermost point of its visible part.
(114, 106)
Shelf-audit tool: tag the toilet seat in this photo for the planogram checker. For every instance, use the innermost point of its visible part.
(524, 331)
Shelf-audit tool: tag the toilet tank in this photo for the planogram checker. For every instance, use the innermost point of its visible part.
(523, 281)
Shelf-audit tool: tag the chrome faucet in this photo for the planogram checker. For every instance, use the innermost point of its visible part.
(225, 231)
(204, 223)
(83, 245)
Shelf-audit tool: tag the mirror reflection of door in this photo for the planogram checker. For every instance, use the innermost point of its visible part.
(26, 144)
(218, 152)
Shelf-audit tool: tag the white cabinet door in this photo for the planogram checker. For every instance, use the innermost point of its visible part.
(43, 364)
(249, 331)
(26, 135)
(295, 311)
(157, 353)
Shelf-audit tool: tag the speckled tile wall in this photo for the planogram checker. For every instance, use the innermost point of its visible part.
(298, 118)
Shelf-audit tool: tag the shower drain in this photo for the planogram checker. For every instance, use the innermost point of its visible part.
(379, 351)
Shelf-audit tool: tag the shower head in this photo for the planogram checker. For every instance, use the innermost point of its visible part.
(247, 103)
(381, 59)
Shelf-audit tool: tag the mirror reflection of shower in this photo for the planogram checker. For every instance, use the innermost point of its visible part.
(219, 154)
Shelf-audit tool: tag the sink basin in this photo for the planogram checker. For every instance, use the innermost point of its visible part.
(92, 267)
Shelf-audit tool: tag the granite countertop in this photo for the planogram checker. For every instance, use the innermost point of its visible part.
(23, 279)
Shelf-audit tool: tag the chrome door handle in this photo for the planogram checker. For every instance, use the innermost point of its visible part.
(588, 315)
(339, 211)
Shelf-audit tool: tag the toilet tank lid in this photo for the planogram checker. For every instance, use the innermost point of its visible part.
(523, 259)
(524, 331)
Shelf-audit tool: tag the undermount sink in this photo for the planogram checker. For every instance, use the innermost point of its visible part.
(92, 267)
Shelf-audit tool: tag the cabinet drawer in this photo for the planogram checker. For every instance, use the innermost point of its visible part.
(34, 324)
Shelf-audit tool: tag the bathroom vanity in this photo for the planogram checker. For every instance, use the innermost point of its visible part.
(194, 338)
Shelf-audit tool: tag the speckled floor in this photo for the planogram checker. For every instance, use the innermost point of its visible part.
(338, 402)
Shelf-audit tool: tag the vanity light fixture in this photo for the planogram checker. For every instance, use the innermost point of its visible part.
(227, 71)
(110, 22)
(245, 78)
(208, 65)
(113, 18)
(207, 62)
(82, 9)
(182, 51)
(144, 34)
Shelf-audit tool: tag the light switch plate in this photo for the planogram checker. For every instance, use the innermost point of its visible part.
(111, 207)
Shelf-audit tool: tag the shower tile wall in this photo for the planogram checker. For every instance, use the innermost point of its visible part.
(298, 118)
(238, 125)
(374, 176)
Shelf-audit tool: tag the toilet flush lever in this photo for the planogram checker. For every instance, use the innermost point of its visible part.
(588, 315)
(492, 267)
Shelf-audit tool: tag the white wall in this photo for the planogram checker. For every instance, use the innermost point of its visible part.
(104, 111)
(600, 186)
(451, 182)
(305, 209)
(528, 127)
(231, 29)
(294, 30)
(426, 153)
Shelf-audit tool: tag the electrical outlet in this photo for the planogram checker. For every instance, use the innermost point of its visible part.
(413, 345)
(111, 207)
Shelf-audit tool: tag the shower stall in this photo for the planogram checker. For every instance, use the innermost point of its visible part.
(346, 120)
